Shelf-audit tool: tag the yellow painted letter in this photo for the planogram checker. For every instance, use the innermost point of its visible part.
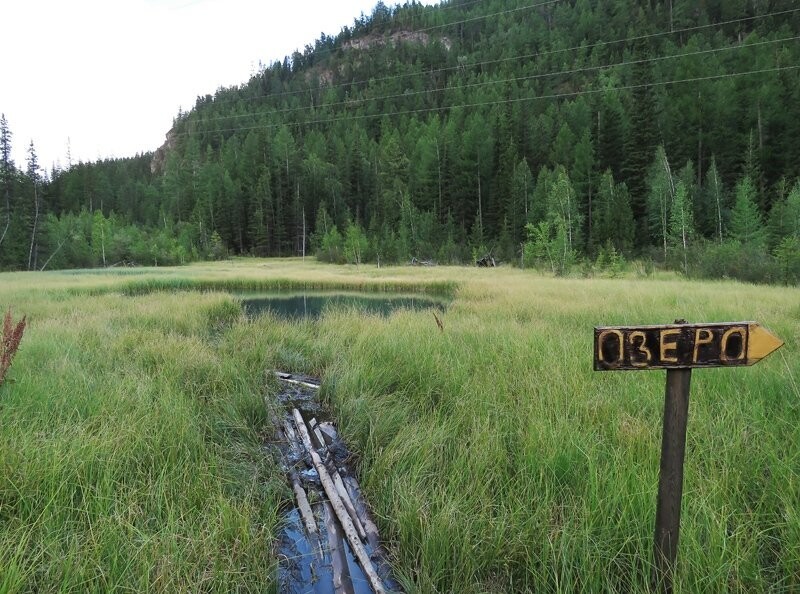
(730, 333)
(643, 354)
(669, 346)
(601, 339)
(707, 338)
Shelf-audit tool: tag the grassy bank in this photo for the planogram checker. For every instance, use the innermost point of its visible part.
(496, 460)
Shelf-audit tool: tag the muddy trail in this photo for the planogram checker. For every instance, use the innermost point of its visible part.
(329, 543)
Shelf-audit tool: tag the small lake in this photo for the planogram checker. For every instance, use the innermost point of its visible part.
(313, 305)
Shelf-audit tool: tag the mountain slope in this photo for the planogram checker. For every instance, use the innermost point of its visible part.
(434, 132)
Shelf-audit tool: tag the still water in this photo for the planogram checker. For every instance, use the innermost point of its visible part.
(314, 305)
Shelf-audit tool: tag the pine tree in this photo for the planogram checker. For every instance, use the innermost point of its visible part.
(793, 211)
(784, 218)
(563, 151)
(610, 135)
(517, 210)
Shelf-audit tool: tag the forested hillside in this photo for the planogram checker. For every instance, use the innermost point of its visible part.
(549, 132)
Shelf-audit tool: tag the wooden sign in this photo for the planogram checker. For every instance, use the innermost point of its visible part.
(681, 346)
(678, 348)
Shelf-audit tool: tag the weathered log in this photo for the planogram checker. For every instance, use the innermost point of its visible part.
(342, 582)
(348, 504)
(303, 506)
(315, 428)
(290, 379)
(360, 505)
(290, 434)
(337, 480)
(295, 445)
(336, 502)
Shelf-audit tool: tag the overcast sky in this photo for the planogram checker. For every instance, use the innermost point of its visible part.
(110, 75)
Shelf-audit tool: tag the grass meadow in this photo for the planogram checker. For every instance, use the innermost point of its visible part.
(132, 437)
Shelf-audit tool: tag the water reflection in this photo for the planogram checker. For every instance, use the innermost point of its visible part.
(314, 305)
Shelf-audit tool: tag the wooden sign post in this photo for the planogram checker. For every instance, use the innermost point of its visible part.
(678, 348)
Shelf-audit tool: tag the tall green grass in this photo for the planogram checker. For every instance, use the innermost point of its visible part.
(130, 457)
(495, 459)
(500, 462)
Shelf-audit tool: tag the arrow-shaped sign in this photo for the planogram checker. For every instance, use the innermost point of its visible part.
(681, 346)
(677, 348)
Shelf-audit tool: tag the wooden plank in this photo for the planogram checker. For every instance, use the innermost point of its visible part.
(681, 346)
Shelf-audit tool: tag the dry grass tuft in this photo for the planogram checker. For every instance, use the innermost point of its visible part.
(12, 336)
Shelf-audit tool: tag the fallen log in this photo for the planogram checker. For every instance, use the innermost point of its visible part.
(315, 428)
(342, 582)
(290, 379)
(348, 504)
(360, 505)
(303, 506)
(337, 481)
(350, 531)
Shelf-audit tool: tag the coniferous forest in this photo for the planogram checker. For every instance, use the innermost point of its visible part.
(564, 134)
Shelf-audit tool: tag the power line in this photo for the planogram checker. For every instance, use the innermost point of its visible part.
(451, 6)
(515, 58)
(504, 101)
(325, 51)
(317, 53)
(357, 102)
(486, 16)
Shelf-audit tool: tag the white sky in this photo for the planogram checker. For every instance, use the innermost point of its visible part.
(110, 75)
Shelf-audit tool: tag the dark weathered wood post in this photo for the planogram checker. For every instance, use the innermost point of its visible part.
(677, 348)
(670, 479)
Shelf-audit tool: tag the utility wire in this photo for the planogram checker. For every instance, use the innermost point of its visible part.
(317, 53)
(512, 58)
(326, 51)
(360, 102)
(486, 16)
(500, 101)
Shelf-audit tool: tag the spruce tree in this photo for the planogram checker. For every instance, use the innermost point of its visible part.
(746, 225)
(6, 168)
(642, 138)
(33, 176)
(613, 218)
(583, 178)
